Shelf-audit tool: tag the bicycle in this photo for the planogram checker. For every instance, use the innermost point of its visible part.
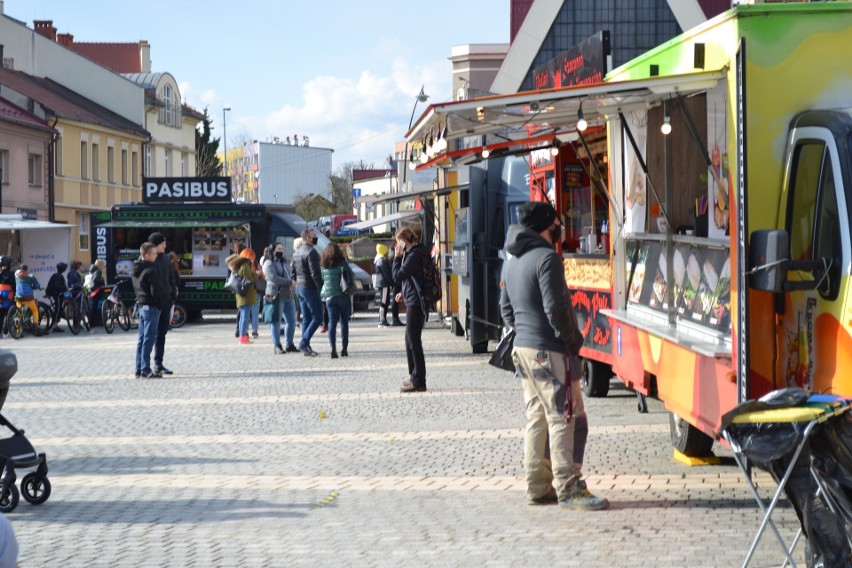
(114, 311)
(20, 318)
(75, 310)
(179, 317)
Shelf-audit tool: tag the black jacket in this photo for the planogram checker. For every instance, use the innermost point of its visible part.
(305, 267)
(56, 286)
(384, 273)
(410, 266)
(535, 298)
(167, 275)
(150, 286)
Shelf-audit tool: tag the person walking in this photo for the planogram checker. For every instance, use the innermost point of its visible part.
(305, 266)
(410, 258)
(242, 266)
(279, 292)
(384, 283)
(333, 266)
(167, 275)
(535, 303)
(152, 295)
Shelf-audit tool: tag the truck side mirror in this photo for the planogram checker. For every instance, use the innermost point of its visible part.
(767, 254)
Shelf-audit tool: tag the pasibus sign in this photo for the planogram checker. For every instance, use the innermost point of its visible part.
(583, 64)
(587, 304)
(186, 190)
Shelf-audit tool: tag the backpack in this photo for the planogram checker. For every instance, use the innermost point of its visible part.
(89, 281)
(431, 283)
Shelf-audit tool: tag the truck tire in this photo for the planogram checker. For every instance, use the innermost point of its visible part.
(687, 439)
(595, 380)
(456, 327)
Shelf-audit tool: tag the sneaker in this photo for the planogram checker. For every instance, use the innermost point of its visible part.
(279, 350)
(547, 499)
(324, 329)
(408, 386)
(236, 333)
(384, 324)
(334, 354)
(254, 335)
(580, 499)
(309, 352)
(245, 339)
(344, 353)
(163, 371)
(150, 375)
(138, 373)
(292, 349)
(397, 323)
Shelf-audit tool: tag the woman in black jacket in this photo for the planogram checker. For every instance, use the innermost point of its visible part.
(410, 258)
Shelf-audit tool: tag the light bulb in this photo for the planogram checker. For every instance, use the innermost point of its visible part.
(554, 151)
(582, 125)
(485, 152)
(666, 128)
(412, 166)
(423, 158)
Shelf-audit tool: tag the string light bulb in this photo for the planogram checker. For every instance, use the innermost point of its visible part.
(582, 125)
(666, 128)
(554, 151)
(485, 152)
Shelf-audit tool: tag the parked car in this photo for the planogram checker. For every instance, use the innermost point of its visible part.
(345, 231)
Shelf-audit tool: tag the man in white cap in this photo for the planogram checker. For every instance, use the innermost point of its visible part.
(535, 302)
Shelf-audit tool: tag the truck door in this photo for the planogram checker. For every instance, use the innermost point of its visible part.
(814, 343)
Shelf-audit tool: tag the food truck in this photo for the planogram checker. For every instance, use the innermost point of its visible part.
(727, 181)
(203, 227)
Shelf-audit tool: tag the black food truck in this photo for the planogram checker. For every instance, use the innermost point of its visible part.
(203, 227)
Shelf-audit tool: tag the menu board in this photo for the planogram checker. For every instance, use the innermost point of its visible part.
(701, 285)
(210, 248)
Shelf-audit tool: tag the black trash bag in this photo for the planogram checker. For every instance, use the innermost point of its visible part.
(502, 356)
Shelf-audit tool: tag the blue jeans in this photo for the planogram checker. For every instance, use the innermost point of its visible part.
(245, 315)
(338, 310)
(311, 304)
(149, 319)
(254, 314)
(288, 311)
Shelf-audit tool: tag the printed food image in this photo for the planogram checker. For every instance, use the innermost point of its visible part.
(678, 272)
(658, 295)
(690, 284)
(638, 277)
(706, 291)
(722, 298)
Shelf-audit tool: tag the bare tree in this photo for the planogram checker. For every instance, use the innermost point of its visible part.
(312, 206)
(340, 185)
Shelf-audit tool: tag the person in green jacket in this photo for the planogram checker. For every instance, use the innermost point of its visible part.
(242, 265)
(332, 266)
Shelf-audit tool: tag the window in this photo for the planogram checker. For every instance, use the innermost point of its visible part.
(96, 162)
(110, 164)
(83, 229)
(123, 166)
(183, 164)
(34, 169)
(808, 164)
(134, 168)
(167, 167)
(84, 160)
(170, 112)
(148, 164)
(57, 155)
(4, 166)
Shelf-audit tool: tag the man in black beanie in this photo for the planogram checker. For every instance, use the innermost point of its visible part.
(169, 280)
(535, 302)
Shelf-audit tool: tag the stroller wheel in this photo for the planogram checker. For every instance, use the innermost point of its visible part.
(36, 490)
(9, 500)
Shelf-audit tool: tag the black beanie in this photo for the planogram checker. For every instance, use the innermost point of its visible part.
(536, 215)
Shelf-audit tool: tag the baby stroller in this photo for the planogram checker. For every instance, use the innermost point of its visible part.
(17, 452)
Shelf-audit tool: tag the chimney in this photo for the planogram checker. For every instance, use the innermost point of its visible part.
(144, 56)
(65, 39)
(45, 28)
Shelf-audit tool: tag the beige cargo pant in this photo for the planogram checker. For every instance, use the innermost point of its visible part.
(553, 445)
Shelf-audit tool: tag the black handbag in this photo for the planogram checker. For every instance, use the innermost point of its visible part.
(347, 284)
(502, 356)
(237, 284)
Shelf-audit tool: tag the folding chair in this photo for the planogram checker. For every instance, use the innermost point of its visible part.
(816, 410)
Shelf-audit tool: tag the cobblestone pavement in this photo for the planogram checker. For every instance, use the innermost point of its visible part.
(245, 458)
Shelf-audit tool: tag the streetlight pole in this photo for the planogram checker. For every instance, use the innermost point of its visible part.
(225, 137)
(421, 97)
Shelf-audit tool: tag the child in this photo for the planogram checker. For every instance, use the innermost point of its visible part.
(24, 286)
(56, 287)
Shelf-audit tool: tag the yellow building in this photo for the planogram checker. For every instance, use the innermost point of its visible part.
(96, 156)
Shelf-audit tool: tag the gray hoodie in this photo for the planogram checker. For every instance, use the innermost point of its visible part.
(535, 300)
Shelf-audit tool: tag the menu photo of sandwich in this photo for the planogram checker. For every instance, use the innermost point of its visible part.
(690, 286)
(658, 289)
(720, 315)
(703, 303)
(638, 279)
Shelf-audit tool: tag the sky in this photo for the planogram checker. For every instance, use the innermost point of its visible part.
(344, 72)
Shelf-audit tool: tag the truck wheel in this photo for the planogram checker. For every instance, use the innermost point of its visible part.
(595, 380)
(687, 439)
(456, 327)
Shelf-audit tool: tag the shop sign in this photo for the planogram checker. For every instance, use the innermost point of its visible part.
(583, 64)
(186, 190)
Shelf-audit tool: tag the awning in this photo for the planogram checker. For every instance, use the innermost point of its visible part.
(21, 225)
(518, 117)
(393, 217)
(383, 198)
(182, 223)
